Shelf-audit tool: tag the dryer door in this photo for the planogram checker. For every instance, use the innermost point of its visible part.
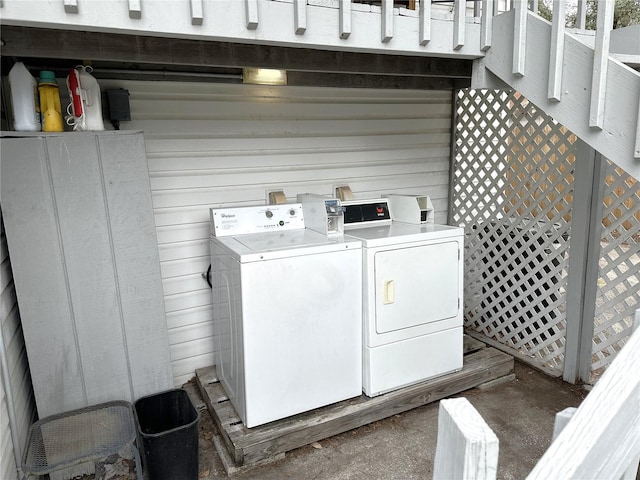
(416, 285)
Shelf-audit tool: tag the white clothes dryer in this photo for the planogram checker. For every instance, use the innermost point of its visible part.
(287, 306)
(412, 296)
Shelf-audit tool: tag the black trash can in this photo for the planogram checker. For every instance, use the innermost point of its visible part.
(167, 425)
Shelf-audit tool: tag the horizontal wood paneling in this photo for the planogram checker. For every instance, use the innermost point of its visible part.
(210, 145)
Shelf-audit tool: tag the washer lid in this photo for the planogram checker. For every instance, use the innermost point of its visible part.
(398, 232)
(272, 245)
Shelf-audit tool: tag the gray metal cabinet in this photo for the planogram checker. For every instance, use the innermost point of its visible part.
(81, 234)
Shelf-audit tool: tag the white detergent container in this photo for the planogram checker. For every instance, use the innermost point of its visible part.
(23, 99)
(85, 109)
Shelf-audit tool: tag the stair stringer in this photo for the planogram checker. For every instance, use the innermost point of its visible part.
(616, 141)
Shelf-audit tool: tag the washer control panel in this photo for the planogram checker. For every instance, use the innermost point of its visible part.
(263, 218)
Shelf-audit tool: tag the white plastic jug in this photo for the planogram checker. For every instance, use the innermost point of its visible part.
(23, 99)
(85, 109)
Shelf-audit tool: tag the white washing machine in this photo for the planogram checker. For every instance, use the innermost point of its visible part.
(412, 296)
(287, 306)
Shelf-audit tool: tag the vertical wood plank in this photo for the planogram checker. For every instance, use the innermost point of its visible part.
(486, 24)
(556, 55)
(93, 288)
(387, 20)
(345, 18)
(581, 14)
(70, 6)
(38, 257)
(589, 185)
(459, 12)
(136, 260)
(600, 63)
(534, 6)
(300, 16)
(135, 9)
(425, 22)
(197, 13)
(466, 446)
(519, 38)
(251, 7)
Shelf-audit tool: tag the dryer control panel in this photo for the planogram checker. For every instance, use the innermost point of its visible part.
(255, 219)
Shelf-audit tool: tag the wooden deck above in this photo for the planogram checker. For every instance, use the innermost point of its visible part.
(251, 446)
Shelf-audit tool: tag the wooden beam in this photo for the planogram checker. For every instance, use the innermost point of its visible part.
(387, 20)
(300, 16)
(459, 12)
(135, 9)
(600, 63)
(345, 18)
(251, 8)
(70, 6)
(519, 38)
(466, 447)
(197, 13)
(486, 24)
(556, 50)
(76, 45)
(425, 22)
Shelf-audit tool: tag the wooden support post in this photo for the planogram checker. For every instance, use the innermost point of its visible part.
(600, 63)
(387, 20)
(466, 447)
(251, 7)
(70, 6)
(300, 16)
(581, 15)
(345, 18)
(586, 232)
(459, 11)
(425, 22)
(519, 38)
(486, 24)
(197, 13)
(135, 9)
(556, 55)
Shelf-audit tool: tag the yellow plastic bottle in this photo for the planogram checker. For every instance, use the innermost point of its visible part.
(50, 102)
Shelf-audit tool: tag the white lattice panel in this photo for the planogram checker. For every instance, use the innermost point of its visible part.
(618, 279)
(513, 189)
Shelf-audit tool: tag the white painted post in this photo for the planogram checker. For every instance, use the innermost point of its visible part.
(600, 63)
(556, 55)
(251, 7)
(345, 18)
(467, 448)
(459, 11)
(197, 13)
(425, 22)
(70, 6)
(387, 20)
(135, 9)
(562, 418)
(519, 38)
(486, 25)
(300, 16)
(533, 6)
(581, 15)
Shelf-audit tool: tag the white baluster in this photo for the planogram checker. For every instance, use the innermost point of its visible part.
(556, 50)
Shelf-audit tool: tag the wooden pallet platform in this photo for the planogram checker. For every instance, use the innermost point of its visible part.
(252, 446)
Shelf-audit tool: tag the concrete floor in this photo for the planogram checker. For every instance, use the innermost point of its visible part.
(520, 412)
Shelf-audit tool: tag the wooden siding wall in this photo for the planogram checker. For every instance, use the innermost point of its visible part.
(17, 365)
(210, 145)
